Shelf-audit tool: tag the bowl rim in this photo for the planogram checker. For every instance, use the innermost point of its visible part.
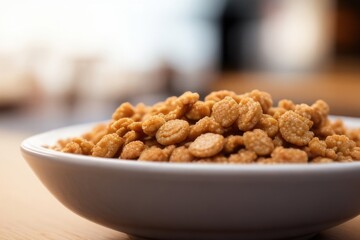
(31, 146)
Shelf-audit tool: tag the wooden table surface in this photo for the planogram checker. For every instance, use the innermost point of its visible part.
(29, 211)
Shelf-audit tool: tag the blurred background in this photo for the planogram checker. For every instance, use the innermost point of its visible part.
(70, 62)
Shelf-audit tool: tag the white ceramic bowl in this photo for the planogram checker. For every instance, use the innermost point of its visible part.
(197, 201)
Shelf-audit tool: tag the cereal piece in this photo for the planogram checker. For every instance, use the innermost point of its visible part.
(354, 134)
(219, 95)
(131, 136)
(120, 127)
(183, 103)
(96, 133)
(154, 154)
(210, 103)
(286, 104)
(324, 130)
(136, 126)
(226, 111)
(322, 160)
(243, 156)
(279, 141)
(320, 113)
(294, 128)
(132, 150)
(199, 110)
(204, 125)
(188, 98)
(268, 124)
(304, 110)
(139, 112)
(276, 112)
(72, 147)
(169, 149)
(330, 153)
(151, 143)
(289, 155)
(250, 113)
(151, 125)
(173, 132)
(62, 142)
(259, 142)
(124, 110)
(317, 147)
(164, 107)
(207, 145)
(355, 153)
(233, 143)
(108, 146)
(263, 98)
(340, 143)
(85, 146)
(338, 127)
(181, 154)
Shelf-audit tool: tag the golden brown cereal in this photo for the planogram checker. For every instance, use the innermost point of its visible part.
(219, 95)
(268, 124)
(250, 113)
(120, 127)
(354, 134)
(243, 156)
(108, 146)
(151, 125)
(317, 147)
(355, 153)
(136, 126)
(259, 142)
(338, 127)
(226, 111)
(276, 112)
(224, 128)
(72, 147)
(304, 110)
(199, 110)
(140, 111)
(131, 136)
(340, 144)
(123, 111)
(96, 133)
(263, 98)
(85, 145)
(169, 149)
(154, 154)
(279, 141)
(183, 104)
(286, 104)
(173, 132)
(207, 145)
(289, 155)
(322, 160)
(132, 150)
(320, 113)
(204, 125)
(233, 143)
(295, 128)
(181, 154)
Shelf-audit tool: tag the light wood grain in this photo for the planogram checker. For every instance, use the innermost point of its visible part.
(29, 211)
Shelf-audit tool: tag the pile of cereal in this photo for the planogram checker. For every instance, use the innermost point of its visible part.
(224, 128)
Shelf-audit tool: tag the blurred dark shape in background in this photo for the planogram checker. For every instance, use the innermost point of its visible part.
(55, 71)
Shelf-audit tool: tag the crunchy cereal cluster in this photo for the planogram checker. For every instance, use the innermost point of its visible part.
(224, 128)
